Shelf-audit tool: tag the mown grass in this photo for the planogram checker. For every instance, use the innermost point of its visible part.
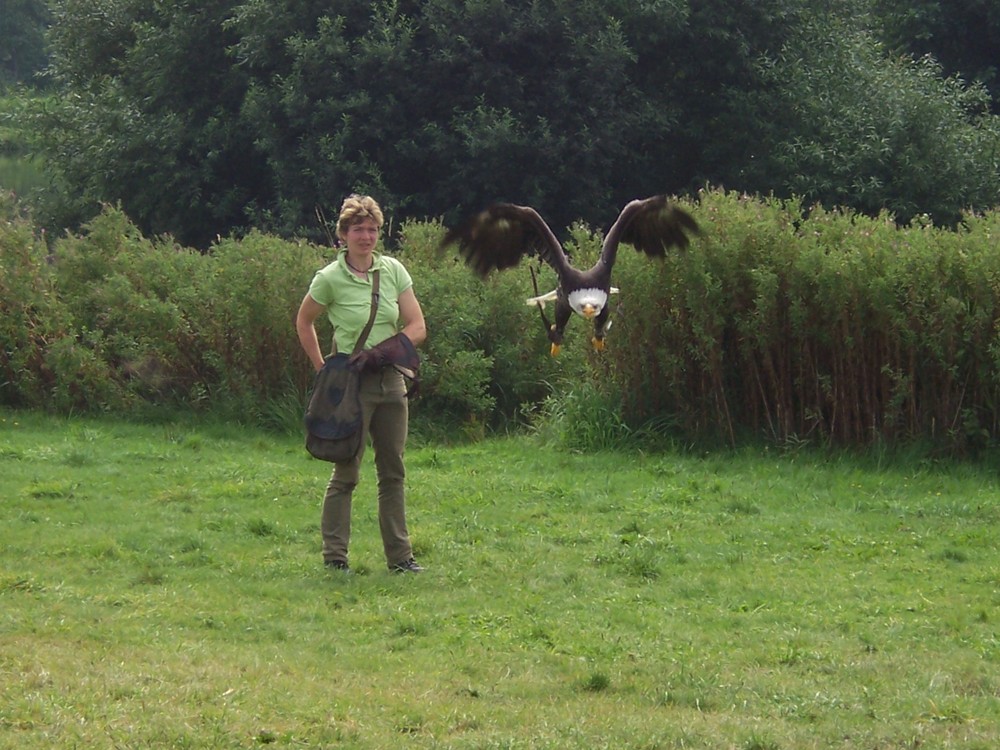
(161, 587)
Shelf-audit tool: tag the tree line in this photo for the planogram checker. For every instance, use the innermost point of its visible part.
(211, 119)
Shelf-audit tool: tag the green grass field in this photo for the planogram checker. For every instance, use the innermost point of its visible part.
(161, 586)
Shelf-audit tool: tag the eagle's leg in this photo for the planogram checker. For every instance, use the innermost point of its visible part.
(601, 325)
(556, 330)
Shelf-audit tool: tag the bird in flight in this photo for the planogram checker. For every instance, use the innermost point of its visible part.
(501, 235)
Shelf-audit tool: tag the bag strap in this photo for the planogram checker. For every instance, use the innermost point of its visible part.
(371, 317)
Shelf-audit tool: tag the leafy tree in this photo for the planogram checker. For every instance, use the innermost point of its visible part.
(529, 101)
(962, 35)
(208, 118)
(149, 117)
(22, 40)
(851, 127)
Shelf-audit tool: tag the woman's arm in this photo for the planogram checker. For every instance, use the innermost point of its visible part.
(305, 326)
(412, 317)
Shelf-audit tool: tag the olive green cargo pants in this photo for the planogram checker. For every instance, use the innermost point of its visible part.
(385, 423)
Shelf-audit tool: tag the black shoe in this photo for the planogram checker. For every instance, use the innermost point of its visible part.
(336, 565)
(407, 566)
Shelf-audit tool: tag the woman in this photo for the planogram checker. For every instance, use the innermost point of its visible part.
(343, 290)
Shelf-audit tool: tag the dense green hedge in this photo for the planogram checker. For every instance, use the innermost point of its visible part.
(803, 324)
(111, 321)
(781, 321)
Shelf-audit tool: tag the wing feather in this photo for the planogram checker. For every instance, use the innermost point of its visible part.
(501, 235)
(651, 226)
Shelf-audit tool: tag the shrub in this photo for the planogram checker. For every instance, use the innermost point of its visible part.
(245, 303)
(31, 317)
(486, 359)
(788, 323)
(800, 324)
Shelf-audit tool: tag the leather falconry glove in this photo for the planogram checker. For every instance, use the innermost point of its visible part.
(398, 350)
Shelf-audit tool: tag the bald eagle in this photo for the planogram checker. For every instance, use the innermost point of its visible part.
(500, 236)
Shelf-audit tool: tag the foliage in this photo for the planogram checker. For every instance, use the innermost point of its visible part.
(816, 325)
(113, 321)
(213, 119)
(165, 583)
(963, 36)
(147, 321)
(386, 96)
(21, 171)
(31, 319)
(855, 129)
(485, 362)
(148, 119)
(780, 322)
(22, 41)
(585, 419)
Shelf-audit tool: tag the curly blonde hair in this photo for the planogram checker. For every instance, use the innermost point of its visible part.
(355, 209)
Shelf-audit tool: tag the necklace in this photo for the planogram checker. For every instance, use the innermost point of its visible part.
(353, 268)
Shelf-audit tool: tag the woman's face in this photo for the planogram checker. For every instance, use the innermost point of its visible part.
(362, 237)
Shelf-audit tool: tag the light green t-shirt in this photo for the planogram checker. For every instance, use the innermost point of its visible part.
(348, 300)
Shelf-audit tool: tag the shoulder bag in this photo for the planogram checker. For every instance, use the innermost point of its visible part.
(333, 416)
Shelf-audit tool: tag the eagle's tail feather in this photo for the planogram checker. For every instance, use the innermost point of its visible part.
(541, 299)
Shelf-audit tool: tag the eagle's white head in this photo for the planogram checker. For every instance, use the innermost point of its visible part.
(588, 302)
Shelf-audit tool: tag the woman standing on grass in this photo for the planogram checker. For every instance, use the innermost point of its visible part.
(343, 290)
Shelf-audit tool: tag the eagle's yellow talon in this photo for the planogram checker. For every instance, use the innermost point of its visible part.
(598, 344)
(554, 351)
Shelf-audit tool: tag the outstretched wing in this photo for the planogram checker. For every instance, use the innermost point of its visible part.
(651, 226)
(500, 236)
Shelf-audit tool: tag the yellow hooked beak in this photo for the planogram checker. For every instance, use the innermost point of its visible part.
(589, 311)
